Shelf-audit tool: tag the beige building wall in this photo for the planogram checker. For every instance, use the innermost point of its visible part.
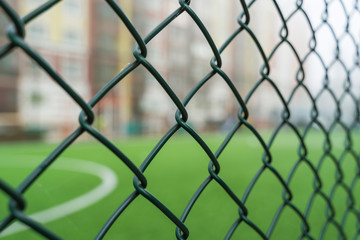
(60, 36)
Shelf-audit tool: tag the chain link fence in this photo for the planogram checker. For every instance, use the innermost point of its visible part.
(343, 97)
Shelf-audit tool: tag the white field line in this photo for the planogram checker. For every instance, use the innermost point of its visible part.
(108, 183)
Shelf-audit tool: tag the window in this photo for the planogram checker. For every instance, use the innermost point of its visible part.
(32, 71)
(106, 42)
(8, 99)
(8, 65)
(104, 73)
(3, 24)
(72, 70)
(72, 37)
(72, 7)
(36, 98)
(36, 30)
(104, 11)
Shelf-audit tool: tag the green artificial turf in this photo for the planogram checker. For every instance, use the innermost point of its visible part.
(174, 176)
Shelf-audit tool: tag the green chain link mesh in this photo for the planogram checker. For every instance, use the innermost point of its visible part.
(16, 33)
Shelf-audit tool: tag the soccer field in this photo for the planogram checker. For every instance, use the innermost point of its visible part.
(173, 177)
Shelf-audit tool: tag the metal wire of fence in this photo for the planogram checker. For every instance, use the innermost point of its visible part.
(16, 33)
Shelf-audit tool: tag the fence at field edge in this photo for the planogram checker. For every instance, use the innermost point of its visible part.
(17, 40)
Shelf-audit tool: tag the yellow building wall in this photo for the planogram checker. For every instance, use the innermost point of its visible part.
(125, 49)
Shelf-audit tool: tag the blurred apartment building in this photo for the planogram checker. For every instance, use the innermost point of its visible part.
(181, 54)
(8, 86)
(38, 105)
(88, 45)
(80, 41)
